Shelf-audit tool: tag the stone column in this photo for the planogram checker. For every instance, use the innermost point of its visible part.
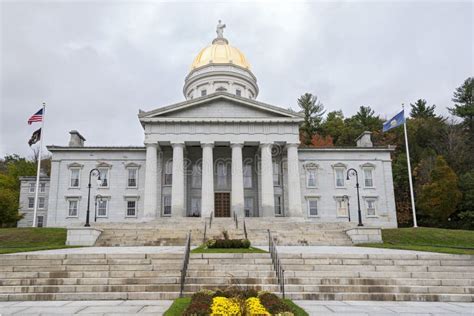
(268, 199)
(237, 196)
(177, 187)
(151, 178)
(207, 187)
(294, 183)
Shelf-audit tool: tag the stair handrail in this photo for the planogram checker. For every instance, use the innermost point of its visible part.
(280, 272)
(245, 229)
(205, 232)
(210, 219)
(236, 220)
(184, 268)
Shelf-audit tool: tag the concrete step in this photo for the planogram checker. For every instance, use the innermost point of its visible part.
(380, 297)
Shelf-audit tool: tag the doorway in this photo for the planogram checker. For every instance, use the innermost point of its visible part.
(222, 204)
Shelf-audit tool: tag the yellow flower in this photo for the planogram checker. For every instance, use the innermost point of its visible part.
(225, 307)
(254, 307)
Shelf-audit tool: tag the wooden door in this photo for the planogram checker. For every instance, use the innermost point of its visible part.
(222, 204)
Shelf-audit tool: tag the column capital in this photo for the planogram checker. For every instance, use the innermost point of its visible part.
(207, 145)
(177, 144)
(152, 145)
(265, 145)
(238, 145)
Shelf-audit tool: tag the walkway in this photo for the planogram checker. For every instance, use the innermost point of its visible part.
(352, 308)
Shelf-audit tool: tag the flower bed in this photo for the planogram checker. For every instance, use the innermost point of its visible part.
(237, 302)
(228, 243)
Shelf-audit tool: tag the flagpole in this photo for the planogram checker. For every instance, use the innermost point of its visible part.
(38, 170)
(412, 196)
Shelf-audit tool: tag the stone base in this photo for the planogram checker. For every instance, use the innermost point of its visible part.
(362, 235)
(82, 236)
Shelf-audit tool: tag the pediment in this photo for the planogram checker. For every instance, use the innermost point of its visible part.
(220, 106)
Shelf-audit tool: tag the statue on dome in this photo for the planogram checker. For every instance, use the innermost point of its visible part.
(220, 29)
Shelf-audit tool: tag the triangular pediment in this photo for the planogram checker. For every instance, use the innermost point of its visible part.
(220, 105)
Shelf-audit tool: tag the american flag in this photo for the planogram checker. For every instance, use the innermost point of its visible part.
(37, 117)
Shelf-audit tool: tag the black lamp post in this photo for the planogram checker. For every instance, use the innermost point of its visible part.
(346, 198)
(94, 171)
(352, 171)
(97, 197)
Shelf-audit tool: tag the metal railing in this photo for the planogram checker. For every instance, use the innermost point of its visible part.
(210, 219)
(280, 272)
(205, 232)
(245, 229)
(184, 268)
(236, 220)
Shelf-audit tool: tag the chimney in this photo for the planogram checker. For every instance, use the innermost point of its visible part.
(364, 140)
(76, 140)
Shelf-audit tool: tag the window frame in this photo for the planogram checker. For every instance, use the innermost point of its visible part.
(168, 164)
(106, 208)
(196, 176)
(194, 198)
(342, 170)
(165, 197)
(42, 187)
(71, 170)
(251, 209)
(310, 199)
(128, 177)
(371, 169)
(41, 198)
(31, 206)
(375, 207)
(135, 201)
(308, 172)
(222, 166)
(278, 168)
(279, 198)
(31, 187)
(338, 200)
(38, 221)
(69, 200)
(247, 175)
(107, 177)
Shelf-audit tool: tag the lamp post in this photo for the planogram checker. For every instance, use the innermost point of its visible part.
(94, 171)
(97, 197)
(346, 198)
(352, 171)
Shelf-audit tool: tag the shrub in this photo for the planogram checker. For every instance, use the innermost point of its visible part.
(200, 304)
(274, 304)
(253, 306)
(228, 243)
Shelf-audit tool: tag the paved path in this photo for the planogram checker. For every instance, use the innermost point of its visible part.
(158, 307)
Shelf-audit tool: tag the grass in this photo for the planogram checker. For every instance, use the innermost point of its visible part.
(428, 239)
(178, 307)
(203, 249)
(30, 239)
(180, 304)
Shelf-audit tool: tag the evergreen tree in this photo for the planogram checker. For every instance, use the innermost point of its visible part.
(313, 111)
(333, 125)
(420, 110)
(366, 120)
(439, 198)
(464, 104)
(466, 207)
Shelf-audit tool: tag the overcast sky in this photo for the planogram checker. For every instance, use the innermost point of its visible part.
(97, 63)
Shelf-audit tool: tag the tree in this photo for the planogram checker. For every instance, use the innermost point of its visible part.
(365, 119)
(464, 103)
(420, 110)
(439, 198)
(466, 207)
(313, 111)
(333, 125)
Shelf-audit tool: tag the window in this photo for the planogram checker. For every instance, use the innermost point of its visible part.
(203, 92)
(41, 202)
(102, 208)
(73, 206)
(39, 221)
(196, 177)
(42, 187)
(221, 175)
(311, 178)
(131, 208)
(248, 206)
(74, 178)
(312, 207)
(339, 177)
(167, 205)
(341, 207)
(247, 176)
(31, 202)
(368, 179)
(195, 206)
(370, 203)
(168, 172)
(31, 188)
(238, 92)
(276, 173)
(132, 178)
(278, 206)
(104, 178)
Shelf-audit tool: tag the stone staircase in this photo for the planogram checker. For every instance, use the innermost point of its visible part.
(173, 231)
(387, 277)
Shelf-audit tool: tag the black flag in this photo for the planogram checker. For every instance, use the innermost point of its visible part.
(35, 137)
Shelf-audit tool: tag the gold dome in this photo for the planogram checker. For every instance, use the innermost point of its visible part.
(220, 52)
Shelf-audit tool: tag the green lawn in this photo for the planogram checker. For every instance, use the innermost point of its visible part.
(31, 239)
(428, 239)
(203, 249)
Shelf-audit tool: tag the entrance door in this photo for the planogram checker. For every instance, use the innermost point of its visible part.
(222, 204)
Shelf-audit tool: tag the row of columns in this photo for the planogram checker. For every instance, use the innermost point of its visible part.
(178, 207)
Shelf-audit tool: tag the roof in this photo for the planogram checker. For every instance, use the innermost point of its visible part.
(96, 148)
(217, 96)
(349, 148)
(33, 178)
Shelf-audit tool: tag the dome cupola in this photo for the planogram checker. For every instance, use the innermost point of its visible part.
(220, 67)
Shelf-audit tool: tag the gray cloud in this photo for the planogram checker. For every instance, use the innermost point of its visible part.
(97, 63)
